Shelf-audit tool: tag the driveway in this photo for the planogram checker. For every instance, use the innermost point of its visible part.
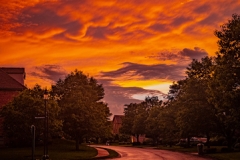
(131, 153)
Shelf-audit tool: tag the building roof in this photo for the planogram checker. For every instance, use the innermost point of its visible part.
(118, 119)
(13, 70)
(9, 83)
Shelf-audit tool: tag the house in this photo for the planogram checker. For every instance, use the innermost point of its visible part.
(117, 123)
(11, 83)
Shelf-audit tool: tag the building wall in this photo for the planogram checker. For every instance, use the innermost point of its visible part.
(116, 127)
(7, 96)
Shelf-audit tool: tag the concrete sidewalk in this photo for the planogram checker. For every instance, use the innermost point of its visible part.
(101, 152)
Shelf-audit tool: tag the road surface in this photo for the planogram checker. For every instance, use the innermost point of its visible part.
(131, 153)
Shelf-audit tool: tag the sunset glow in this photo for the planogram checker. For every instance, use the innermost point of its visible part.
(133, 47)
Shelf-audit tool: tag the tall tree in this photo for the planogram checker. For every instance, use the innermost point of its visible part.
(224, 86)
(194, 108)
(130, 113)
(82, 111)
(154, 125)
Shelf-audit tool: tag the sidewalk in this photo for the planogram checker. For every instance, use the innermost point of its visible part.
(101, 152)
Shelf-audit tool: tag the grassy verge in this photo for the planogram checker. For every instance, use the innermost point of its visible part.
(226, 156)
(58, 150)
(179, 149)
(218, 155)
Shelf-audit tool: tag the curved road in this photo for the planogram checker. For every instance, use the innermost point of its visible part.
(131, 153)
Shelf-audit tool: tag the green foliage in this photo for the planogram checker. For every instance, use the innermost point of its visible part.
(82, 111)
(136, 120)
(224, 92)
(128, 120)
(20, 114)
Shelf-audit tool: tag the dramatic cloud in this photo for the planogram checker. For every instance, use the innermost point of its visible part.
(184, 56)
(145, 72)
(51, 72)
(117, 96)
(196, 53)
(138, 45)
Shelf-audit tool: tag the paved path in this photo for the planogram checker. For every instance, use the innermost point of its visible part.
(131, 153)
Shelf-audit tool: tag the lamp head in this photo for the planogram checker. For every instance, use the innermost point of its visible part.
(45, 96)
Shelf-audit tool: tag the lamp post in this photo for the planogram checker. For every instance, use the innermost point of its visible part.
(45, 97)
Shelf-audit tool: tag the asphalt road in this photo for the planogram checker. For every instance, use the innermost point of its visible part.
(131, 153)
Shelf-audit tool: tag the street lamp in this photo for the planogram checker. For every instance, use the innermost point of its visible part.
(45, 97)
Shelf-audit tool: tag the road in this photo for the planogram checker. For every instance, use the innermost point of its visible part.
(131, 153)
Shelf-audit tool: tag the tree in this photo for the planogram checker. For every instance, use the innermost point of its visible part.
(154, 127)
(225, 82)
(136, 114)
(82, 111)
(20, 114)
(139, 127)
(194, 108)
(128, 121)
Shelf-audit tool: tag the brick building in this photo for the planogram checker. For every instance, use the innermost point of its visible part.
(11, 83)
(117, 123)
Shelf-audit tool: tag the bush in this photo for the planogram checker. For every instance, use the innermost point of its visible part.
(237, 145)
(148, 141)
(225, 149)
(210, 150)
(136, 143)
(217, 141)
(124, 143)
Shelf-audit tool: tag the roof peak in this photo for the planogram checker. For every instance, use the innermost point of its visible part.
(9, 83)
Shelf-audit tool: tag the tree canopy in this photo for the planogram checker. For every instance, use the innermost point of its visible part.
(206, 102)
(20, 114)
(82, 111)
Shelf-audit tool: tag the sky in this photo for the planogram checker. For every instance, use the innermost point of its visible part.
(135, 48)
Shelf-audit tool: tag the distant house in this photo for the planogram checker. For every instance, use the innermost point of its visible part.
(117, 123)
(11, 83)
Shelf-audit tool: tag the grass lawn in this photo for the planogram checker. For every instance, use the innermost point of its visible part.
(179, 149)
(218, 155)
(58, 150)
(226, 156)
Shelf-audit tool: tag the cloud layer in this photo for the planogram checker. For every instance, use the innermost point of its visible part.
(133, 47)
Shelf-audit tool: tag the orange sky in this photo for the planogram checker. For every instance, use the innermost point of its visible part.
(134, 47)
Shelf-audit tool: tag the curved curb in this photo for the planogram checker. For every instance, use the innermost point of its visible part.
(101, 152)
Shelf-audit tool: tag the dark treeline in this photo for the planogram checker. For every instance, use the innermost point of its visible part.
(204, 104)
(75, 110)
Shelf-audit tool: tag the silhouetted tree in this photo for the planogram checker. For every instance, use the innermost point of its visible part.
(20, 114)
(82, 111)
(225, 82)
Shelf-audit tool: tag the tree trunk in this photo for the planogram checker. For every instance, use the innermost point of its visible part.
(188, 141)
(77, 143)
(208, 139)
(155, 141)
(229, 137)
(229, 140)
(137, 138)
(97, 139)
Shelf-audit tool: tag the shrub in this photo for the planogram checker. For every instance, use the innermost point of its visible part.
(210, 150)
(225, 149)
(148, 141)
(237, 145)
(136, 143)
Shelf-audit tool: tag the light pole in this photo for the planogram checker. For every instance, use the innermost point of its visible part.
(45, 97)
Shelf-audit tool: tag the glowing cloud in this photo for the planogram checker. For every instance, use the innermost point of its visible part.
(131, 46)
